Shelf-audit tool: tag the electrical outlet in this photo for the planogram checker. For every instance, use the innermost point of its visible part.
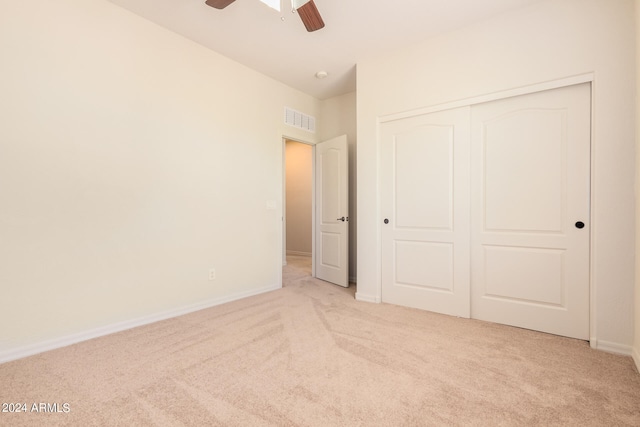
(212, 274)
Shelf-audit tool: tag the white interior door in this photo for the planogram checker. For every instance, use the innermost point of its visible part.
(425, 199)
(332, 211)
(530, 211)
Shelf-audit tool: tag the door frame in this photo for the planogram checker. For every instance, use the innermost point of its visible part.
(286, 138)
(525, 90)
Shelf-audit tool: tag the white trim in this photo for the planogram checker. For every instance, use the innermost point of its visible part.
(281, 248)
(367, 298)
(378, 266)
(612, 347)
(32, 349)
(283, 222)
(313, 211)
(593, 223)
(525, 90)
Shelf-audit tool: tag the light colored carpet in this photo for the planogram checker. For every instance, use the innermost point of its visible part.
(310, 355)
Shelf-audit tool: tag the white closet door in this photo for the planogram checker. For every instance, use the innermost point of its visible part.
(425, 212)
(530, 211)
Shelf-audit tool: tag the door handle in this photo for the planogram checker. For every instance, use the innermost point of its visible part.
(341, 219)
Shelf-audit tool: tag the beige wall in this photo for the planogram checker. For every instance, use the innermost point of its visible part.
(132, 161)
(338, 117)
(636, 346)
(543, 42)
(299, 181)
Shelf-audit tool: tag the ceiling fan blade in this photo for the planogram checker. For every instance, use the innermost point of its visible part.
(219, 4)
(310, 16)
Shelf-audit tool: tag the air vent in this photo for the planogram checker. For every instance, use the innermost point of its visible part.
(299, 120)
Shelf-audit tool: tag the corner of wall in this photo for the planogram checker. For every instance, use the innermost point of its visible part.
(636, 344)
(367, 298)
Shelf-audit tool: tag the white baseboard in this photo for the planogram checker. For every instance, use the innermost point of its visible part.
(611, 347)
(41, 347)
(298, 253)
(367, 298)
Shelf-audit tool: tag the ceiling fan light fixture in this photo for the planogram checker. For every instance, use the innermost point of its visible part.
(273, 4)
(295, 4)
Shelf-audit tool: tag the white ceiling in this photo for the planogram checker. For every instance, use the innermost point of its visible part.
(277, 44)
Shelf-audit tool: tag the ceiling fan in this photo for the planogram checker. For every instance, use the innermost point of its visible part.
(306, 9)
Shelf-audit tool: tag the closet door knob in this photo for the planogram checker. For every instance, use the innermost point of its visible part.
(579, 224)
(386, 220)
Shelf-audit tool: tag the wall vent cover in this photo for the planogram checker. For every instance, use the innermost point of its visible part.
(299, 120)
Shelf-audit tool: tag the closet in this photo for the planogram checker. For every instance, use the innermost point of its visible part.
(485, 211)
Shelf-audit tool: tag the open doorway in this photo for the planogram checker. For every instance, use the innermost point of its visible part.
(298, 209)
(316, 207)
